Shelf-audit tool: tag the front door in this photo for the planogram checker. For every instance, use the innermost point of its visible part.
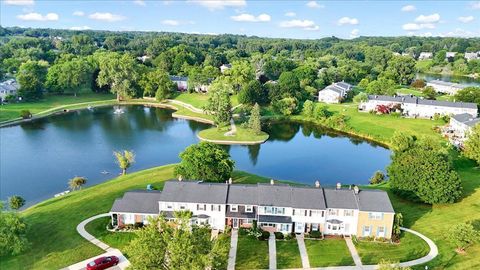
(299, 227)
(235, 223)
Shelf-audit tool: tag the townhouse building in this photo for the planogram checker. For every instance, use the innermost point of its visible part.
(334, 93)
(274, 207)
(445, 87)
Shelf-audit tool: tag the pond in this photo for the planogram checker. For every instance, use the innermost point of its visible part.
(450, 78)
(38, 158)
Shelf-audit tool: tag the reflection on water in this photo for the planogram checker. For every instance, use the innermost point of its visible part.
(450, 78)
(38, 158)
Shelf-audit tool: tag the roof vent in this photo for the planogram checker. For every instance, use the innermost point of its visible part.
(272, 182)
(339, 185)
(356, 190)
(317, 184)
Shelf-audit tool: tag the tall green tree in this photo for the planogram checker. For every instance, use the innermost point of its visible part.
(381, 86)
(289, 85)
(252, 93)
(205, 161)
(308, 107)
(219, 103)
(254, 122)
(463, 235)
(16, 202)
(119, 72)
(157, 83)
(401, 69)
(241, 73)
(31, 77)
(12, 233)
(469, 94)
(77, 182)
(69, 75)
(471, 147)
(124, 160)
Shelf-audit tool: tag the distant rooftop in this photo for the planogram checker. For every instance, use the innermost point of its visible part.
(466, 119)
(443, 83)
(417, 100)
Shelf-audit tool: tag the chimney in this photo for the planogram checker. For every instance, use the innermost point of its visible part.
(180, 178)
(339, 185)
(356, 190)
(317, 184)
(230, 181)
(272, 182)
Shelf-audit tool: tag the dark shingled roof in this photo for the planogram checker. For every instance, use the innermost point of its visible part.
(374, 201)
(194, 192)
(178, 78)
(289, 196)
(416, 100)
(466, 119)
(243, 194)
(340, 198)
(137, 201)
(274, 219)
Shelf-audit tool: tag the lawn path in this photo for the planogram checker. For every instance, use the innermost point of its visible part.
(272, 252)
(232, 255)
(303, 251)
(353, 251)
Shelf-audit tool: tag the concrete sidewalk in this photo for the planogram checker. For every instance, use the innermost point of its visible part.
(303, 251)
(272, 252)
(232, 255)
(353, 251)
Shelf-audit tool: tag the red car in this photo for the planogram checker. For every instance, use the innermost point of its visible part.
(103, 263)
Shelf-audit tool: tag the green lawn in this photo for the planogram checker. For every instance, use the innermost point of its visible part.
(251, 253)
(328, 252)
(288, 254)
(410, 247)
(12, 111)
(242, 134)
(199, 100)
(114, 239)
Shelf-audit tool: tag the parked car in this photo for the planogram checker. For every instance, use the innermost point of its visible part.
(102, 263)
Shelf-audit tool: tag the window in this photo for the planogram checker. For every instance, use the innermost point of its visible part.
(183, 206)
(375, 216)
(233, 208)
(380, 231)
(268, 210)
(201, 207)
(348, 213)
(169, 206)
(216, 207)
(366, 230)
(333, 212)
(284, 227)
(314, 227)
(248, 208)
(298, 212)
(316, 213)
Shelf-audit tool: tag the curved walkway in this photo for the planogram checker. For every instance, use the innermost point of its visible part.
(123, 264)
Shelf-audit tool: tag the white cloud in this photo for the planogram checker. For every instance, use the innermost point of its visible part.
(304, 24)
(245, 17)
(106, 16)
(139, 3)
(433, 18)
(347, 20)
(33, 16)
(417, 26)
(354, 33)
(290, 14)
(466, 19)
(409, 8)
(475, 5)
(80, 28)
(458, 32)
(219, 4)
(19, 2)
(314, 4)
(78, 13)
(176, 22)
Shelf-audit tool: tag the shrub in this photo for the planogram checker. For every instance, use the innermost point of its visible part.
(361, 97)
(315, 234)
(109, 226)
(138, 225)
(377, 178)
(418, 83)
(279, 236)
(25, 114)
(289, 236)
(243, 231)
(264, 235)
(463, 235)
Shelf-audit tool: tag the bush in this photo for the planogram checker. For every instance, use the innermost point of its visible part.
(279, 236)
(377, 178)
(243, 231)
(289, 236)
(109, 226)
(264, 235)
(418, 83)
(138, 225)
(25, 114)
(315, 234)
(361, 97)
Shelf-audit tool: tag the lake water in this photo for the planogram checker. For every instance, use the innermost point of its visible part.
(450, 78)
(38, 158)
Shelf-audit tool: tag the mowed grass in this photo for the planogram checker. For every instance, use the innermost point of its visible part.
(242, 134)
(118, 240)
(12, 111)
(288, 254)
(199, 100)
(410, 247)
(328, 252)
(251, 253)
(55, 242)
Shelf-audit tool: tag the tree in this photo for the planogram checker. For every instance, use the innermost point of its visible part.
(377, 178)
(241, 73)
(205, 161)
(471, 147)
(321, 112)
(440, 56)
(381, 86)
(401, 69)
(308, 107)
(157, 83)
(429, 92)
(463, 235)
(289, 85)
(31, 78)
(418, 83)
(364, 83)
(424, 172)
(16, 202)
(401, 141)
(124, 160)
(70, 75)
(360, 97)
(397, 225)
(286, 106)
(252, 93)
(77, 182)
(254, 121)
(219, 103)
(119, 72)
(469, 94)
(12, 233)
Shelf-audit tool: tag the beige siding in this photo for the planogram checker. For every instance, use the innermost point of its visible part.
(387, 222)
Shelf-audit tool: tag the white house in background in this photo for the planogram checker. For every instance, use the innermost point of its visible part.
(412, 106)
(182, 82)
(472, 55)
(274, 207)
(450, 55)
(462, 124)
(334, 93)
(425, 55)
(8, 88)
(143, 58)
(225, 67)
(445, 87)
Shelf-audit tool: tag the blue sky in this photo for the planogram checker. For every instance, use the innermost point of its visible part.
(289, 19)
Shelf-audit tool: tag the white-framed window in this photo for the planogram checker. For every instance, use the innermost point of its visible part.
(381, 231)
(298, 212)
(201, 207)
(233, 208)
(367, 230)
(284, 227)
(375, 216)
(333, 212)
(348, 213)
(247, 221)
(249, 208)
(216, 207)
(316, 213)
(315, 227)
(169, 206)
(183, 206)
